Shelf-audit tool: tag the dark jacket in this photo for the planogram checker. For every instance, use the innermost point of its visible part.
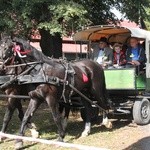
(108, 53)
(141, 54)
(122, 60)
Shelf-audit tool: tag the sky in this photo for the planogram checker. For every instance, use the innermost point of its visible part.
(117, 13)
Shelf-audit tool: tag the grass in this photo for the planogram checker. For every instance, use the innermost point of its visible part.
(47, 130)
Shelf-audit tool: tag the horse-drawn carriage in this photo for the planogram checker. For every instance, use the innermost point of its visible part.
(128, 89)
(27, 73)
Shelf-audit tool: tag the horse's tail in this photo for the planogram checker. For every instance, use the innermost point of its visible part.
(99, 86)
(106, 97)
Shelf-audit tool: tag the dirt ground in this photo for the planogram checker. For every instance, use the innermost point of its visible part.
(124, 136)
(130, 137)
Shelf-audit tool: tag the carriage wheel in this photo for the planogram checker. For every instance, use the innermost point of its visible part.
(94, 114)
(141, 111)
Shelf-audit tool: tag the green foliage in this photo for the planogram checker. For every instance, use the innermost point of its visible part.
(134, 9)
(147, 20)
(55, 16)
(99, 11)
(65, 16)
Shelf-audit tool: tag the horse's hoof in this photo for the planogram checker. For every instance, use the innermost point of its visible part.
(34, 133)
(108, 125)
(59, 139)
(31, 126)
(2, 138)
(18, 145)
(84, 134)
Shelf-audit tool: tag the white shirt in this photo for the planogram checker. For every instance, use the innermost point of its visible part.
(100, 57)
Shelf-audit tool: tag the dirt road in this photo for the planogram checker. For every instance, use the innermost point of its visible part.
(138, 138)
(123, 136)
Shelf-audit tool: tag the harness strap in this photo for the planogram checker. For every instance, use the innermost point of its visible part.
(22, 52)
(69, 72)
(60, 81)
(86, 98)
(17, 50)
(6, 84)
(64, 85)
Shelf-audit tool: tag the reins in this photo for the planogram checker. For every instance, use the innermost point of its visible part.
(18, 50)
(60, 81)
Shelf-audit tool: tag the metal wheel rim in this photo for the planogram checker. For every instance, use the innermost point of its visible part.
(145, 111)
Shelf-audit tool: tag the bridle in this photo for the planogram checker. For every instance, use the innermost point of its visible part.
(17, 50)
(17, 55)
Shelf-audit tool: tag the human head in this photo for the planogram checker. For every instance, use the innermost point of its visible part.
(103, 42)
(133, 42)
(117, 47)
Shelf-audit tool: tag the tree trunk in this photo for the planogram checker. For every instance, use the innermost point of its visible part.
(51, 45)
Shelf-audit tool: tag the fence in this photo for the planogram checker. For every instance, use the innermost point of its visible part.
(51, 142)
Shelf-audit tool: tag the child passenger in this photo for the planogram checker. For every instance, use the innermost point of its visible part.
(119, 56)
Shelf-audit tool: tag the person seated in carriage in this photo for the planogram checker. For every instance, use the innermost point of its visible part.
(119, 56)
(135, 54)
(102, 53)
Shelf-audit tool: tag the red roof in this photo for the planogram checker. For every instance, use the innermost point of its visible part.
(67, 48)
(74, 48)
(127, 23)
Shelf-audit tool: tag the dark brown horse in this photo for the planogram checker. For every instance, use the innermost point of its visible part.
(15, 89)
(86, 76)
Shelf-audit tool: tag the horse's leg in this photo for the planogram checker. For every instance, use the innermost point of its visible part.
(54, 106)
(106, 121)
(11, 106)
(20, 110)
(30, 125)
(33, 105)
(99, 92)
(65, 114)
(8, 114)
(87, 128)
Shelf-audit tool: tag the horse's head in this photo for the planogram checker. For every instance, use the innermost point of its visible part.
(20, 50)
(12, 51)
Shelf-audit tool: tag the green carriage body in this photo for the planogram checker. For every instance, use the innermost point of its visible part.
(128, 89)
(124, 79)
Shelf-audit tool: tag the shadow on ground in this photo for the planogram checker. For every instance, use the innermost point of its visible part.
(143, 144)
(43, 120)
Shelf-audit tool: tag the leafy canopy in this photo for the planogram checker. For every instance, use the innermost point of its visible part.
(65, 16)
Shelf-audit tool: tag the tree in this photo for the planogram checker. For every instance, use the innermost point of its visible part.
(55, 18)
(52, 18)
(135, 10)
